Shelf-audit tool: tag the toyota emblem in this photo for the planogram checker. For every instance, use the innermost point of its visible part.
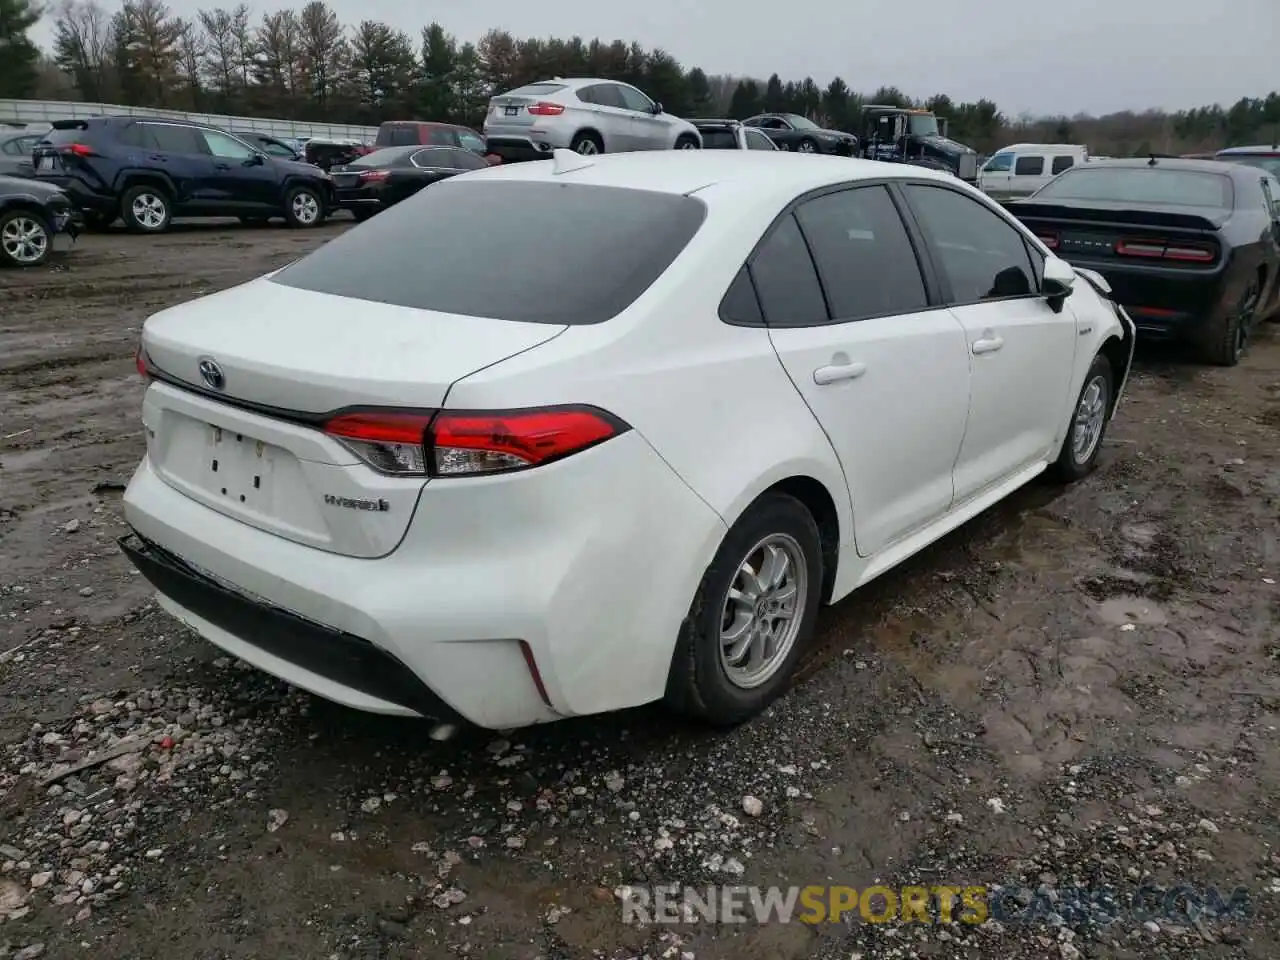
(212, 374)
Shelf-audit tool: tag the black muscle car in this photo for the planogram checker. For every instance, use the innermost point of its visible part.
(385, 177)
(1191, 248)
(790, 131)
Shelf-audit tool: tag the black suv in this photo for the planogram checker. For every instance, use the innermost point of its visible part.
(149, 171)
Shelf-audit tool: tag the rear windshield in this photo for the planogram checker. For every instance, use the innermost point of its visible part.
(381, 158)
(718, 139)
(397, 135)
(69, 135)
(535, 90)
(521, 250)
(1180, 188)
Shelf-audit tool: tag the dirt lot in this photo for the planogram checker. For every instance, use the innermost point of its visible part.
(1079, 689)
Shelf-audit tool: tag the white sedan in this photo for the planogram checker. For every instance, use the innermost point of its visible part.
(565, 437)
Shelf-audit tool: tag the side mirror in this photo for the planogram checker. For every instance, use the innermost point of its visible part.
(1059, 279)
(255, 160)
(657, 109)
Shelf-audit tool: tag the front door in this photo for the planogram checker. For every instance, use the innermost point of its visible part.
(648, 128)
(996, 173)
(243, 177)
(884, 370)
(1020, 351)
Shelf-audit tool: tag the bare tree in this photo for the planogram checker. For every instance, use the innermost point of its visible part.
(190, 51)
(278, 42)
(82, 45)
(219, 60)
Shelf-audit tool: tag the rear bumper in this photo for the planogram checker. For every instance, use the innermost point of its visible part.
(589, 563)
(1163, 303)
(82, 195)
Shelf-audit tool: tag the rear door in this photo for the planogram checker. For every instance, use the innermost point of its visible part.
(612, 117)
(179, 151)
(1021, 351)
(885, 372)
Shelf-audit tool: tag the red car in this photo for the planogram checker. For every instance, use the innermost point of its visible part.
(407, 133)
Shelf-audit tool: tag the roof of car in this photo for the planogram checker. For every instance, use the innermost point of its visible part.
(1163, 163)
(714, 122)
(687, 171)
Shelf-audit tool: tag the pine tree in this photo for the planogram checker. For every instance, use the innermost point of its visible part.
(19, 56)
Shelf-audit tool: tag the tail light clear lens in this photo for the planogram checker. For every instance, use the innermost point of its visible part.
(1050, 240)
(1166, 250)
(470, 443)
(375, 175)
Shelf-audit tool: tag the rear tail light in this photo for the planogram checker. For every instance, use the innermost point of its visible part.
(470, 443)
(1166, 250)
(143, 364)
(375, 176)
(76, 150)
(1050, 240)
(544, 109)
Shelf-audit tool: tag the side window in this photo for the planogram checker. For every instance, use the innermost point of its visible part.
(1062, 163)
(786, 281)
(1271, 198)
(229, 148)
(171, 138)
(773, 123)
(633, 99)
(472, 142)
(441, 137)
(403, 136)
(1028, 167)
(608, 95)
(864, 256)
(432, 157)
(740, 304)
(464, 159)
(11, 147)
(982, 256)
(758, 141)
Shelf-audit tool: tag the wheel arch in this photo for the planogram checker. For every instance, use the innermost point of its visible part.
(589, 131)
(141, 178)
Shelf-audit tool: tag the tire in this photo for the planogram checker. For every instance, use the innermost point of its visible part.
(586, 143)
(1076, 460)
(686, 142)
(1225, 342)
(26, 239)
(303, 207)
(807, 145)
(704, 681)
(146, 209)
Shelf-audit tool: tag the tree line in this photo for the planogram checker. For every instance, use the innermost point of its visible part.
(304, 64)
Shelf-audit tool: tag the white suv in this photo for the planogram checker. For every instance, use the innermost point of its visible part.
(584, 115)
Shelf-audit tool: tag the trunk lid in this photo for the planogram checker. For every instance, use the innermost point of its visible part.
(1099, 232)
(253, 448)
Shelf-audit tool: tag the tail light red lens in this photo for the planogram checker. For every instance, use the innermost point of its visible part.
(1050, 240)
(77, 150)
(544, 109)
(142, 363)
(470, 443)
(1166, 250)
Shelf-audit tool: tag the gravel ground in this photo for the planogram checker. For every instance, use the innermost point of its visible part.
(1077, 690)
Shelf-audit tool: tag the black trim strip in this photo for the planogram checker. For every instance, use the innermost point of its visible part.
(341, 657)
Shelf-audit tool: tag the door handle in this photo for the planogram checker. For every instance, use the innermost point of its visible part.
(835, 372)
(987, 344)
(222, 166)
(159, 158)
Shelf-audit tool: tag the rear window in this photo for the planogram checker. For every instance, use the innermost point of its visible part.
(380, 158)
(483, 249)
(1147, 185)
(535, 90)
(397, 135)
(718, 139)
(57, 137)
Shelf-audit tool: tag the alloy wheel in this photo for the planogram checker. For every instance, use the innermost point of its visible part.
(1090, 418)
(24, 239)
(762, 611)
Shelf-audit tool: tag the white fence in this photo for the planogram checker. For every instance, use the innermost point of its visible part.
(39, 114)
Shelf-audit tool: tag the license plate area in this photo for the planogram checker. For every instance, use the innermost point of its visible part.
(511, 111)
(45, 162)
(239, 468)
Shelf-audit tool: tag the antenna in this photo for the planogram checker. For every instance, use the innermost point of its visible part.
(567, 161)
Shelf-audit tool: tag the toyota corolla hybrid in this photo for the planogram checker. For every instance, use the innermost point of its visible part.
(551, 477)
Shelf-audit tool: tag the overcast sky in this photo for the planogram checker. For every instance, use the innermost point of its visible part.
(1094, 56)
